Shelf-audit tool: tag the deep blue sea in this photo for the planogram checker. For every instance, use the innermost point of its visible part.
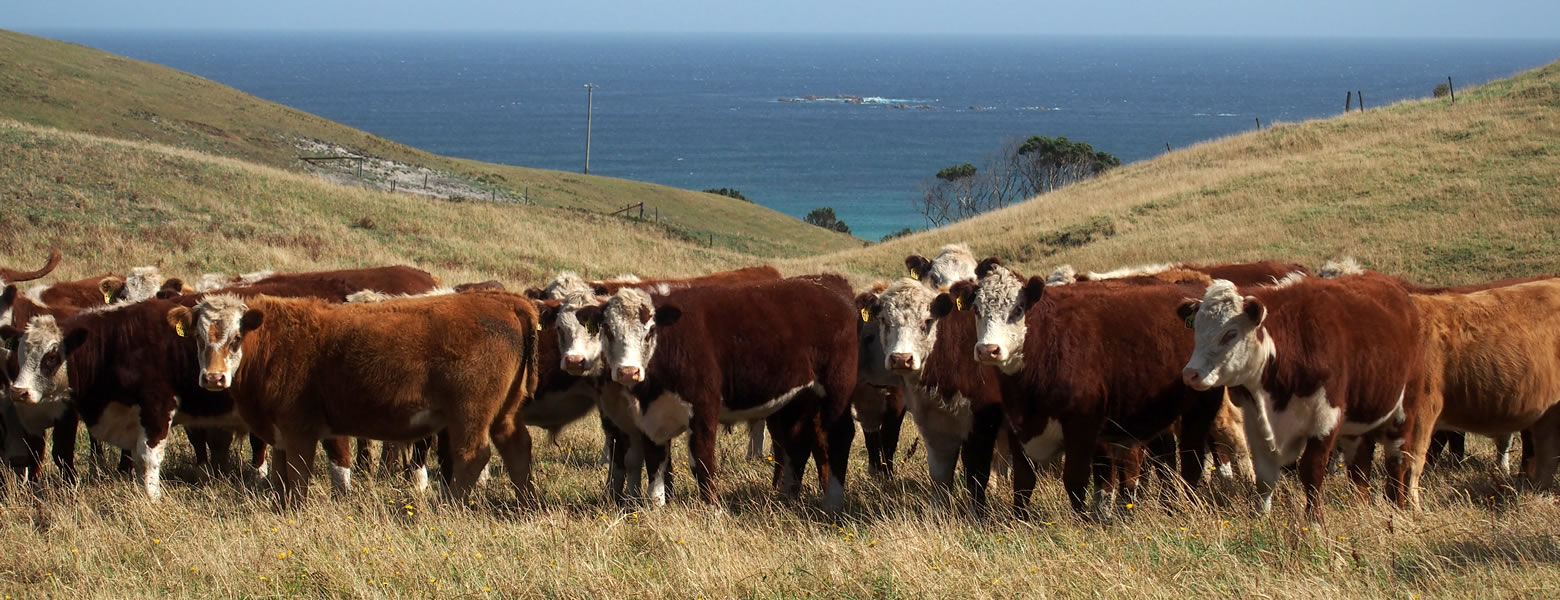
(704, 111)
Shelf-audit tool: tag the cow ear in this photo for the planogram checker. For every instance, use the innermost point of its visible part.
(918, 266)
(251, 320)
(546, 315)
(600, 290)
(8, 296)
(985, 266)
(667, 315)
(942, 305)
(180, 319)
(533, 293)
(963, 294)
(867, 305)
(1034, 290)
(8, 336)
(1254, 310)
(110, 286)
(1187, 311)
(72, 341)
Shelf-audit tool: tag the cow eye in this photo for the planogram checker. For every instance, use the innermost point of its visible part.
(1229, 336)
(927, 324)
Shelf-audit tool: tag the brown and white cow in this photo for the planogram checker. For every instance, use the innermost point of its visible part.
(400, 371)
(1312, 360)
(1254, 272)
(955, 401)
(879, 401)
(1078, 370)
(699, 357)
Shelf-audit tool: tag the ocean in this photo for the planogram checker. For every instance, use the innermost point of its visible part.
(711, 111)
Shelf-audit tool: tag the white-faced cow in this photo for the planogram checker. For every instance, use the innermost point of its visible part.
(954, 263)
(400, 371)
(1312, 360)
(700, 357)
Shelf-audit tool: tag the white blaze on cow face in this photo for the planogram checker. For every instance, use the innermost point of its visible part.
(579, 334)
(41, 357)
(1000, 326)
(218, 324)
(909, 330)
(954, 264)
(628, 332)
(141, 284)
(1231, 347)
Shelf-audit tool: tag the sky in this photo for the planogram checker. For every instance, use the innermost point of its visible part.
(1503, 19)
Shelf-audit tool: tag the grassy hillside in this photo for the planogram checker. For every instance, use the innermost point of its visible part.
(75, 88)
(1436, 191)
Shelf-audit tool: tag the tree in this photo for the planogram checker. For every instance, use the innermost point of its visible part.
(898, 234)
(1017, 170)
(728, 192)
(1442, 90)
(824, 217)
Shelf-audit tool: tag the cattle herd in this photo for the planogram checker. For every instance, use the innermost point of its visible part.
(1146, 371)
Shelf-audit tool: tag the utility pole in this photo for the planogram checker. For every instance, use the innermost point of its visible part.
(590, 95)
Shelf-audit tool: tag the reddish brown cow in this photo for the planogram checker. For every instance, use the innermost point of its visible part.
(400, 371)
(702, 356)
(1076, 373)
(1312, 360)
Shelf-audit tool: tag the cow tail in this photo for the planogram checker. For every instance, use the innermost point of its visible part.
(530, 321)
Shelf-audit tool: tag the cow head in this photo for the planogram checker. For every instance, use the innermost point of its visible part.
(907, 314)
(142, 283)
(578, 319)
(1231, 347)
(953, 264)
(628, 333)
(566, 283)
(1001, 300)
(40, 357)
(219, 324)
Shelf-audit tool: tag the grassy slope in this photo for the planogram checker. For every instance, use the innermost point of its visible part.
(1438, 192)
(75, 88)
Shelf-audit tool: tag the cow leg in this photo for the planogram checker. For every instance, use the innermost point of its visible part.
(220, 442)
(1196, 425)
(1503, 445)
(1080, 444)
(441, 447)
(1109, 464)
(942, 457)
(514, 445)
(148, 456)
(126, 463)
(841, 433)
(1438, 444)
(29, 465)
(64, 450)
(363, 459)
(417, 466)
(469, 453)
(978, 451)
(1459, 447)
(893, 423)
(1023, 477)
(1406, 456)
(338, 450)
(655, 458)
(294, 458)
(1546, 449)
(1264, 454)
(259, 456)
(1312, 469)
(617, 469)
(755, 431)
(1360, 454)
(199, 444)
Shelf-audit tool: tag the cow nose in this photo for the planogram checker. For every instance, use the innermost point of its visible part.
(1192, 379)
(989, 351)
(901, 361)
(574, 360)
(213, 381)
(22, 395)
(633, 374)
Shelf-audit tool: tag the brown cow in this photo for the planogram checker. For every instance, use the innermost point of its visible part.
(1076, 373)
(702, 356)
(464, 363)
(1312, 360)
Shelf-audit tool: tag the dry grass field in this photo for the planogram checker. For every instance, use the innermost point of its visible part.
(1434, 191)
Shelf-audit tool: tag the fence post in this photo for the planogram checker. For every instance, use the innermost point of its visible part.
(425, 182)
(641, 211)
(1361, 96)
(1167, 146)
(1259, 122)
(1348, 100)
(1451, 90)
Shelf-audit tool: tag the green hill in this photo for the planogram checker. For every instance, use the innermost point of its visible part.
(75, 88)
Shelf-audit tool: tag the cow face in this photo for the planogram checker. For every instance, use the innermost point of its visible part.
(1231, 347)
(40, 357)
(907, 315)
(218, 324)
(142, 283)
(1001, 301)
(628, 334)
(578, 319)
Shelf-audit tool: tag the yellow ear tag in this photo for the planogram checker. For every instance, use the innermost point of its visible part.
(538, 325)
(1190, 319)
(108, 298)
(914, 275)
(958, 303)
(179, 329)
(866, 315)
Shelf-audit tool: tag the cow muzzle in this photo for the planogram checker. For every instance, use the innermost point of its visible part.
(21, 395)
(988, 353)
(215, 382)
(901, 361)
(1193, 379)
(629, 375)
(575, 364)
